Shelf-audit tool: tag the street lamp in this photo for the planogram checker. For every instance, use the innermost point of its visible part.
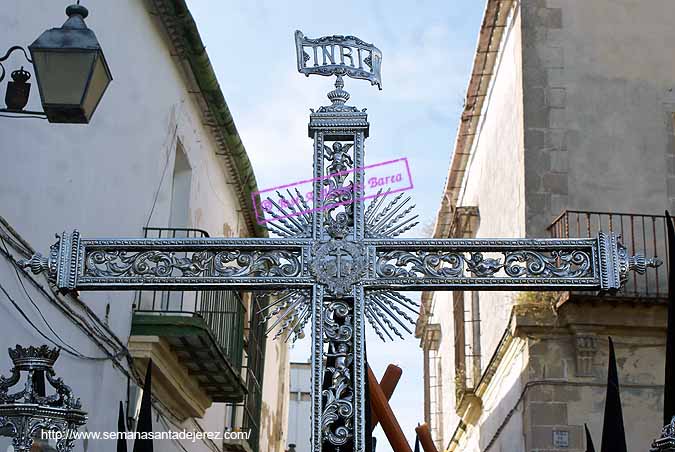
(70, 68)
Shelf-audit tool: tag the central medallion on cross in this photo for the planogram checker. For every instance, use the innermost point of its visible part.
(338, 265)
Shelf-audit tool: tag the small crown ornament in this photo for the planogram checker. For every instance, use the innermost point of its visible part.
(34, 358)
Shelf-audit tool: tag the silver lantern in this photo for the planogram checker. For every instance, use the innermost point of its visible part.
(28, 414)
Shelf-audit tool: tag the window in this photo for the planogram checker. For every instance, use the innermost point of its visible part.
(466, 313)
(180, 190)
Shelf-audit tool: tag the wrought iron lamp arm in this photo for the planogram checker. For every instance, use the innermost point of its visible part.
(21, 88)
(7, 55)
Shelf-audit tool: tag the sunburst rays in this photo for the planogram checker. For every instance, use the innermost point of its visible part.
(385, 309)
(291, 216)
(389, 219)
(388, 312)
(291, 307)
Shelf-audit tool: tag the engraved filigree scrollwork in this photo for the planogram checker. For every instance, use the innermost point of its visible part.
(160, 264)
(419, 264)
(561, 264)
(257, 263)
(516, 264)
(146, 263)
(338, 403)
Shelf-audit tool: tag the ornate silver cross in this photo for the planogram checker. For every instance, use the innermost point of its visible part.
(338, 262)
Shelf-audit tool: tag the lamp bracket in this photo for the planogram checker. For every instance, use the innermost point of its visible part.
(6, 56)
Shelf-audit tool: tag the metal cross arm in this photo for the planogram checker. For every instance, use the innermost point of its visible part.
(600, 264)
(76, 263)
(338, 261)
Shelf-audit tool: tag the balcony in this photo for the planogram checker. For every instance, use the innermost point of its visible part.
(641, 234)
(246, 416)
(195, 339)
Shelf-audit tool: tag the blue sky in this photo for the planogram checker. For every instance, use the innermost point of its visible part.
(427, 49)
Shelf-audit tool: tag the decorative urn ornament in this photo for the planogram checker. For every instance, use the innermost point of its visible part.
(666, 443)
(29, 414)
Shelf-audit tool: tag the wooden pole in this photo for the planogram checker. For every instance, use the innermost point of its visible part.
(388, 384)
(389, 423)
(424, 434)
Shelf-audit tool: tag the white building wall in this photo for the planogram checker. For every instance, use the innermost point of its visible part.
(500, 426)
(108, 178)
(443, 315)
(275, 407)
(493, 180)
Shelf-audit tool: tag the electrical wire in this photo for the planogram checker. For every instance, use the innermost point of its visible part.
(22, 116)
(70, 350)
(166, 426)
(30, 322)
(108, 336)
(131, 372)
(25, 291)
(211, 445)
(161, 180)
(96, 336)
(28, 251)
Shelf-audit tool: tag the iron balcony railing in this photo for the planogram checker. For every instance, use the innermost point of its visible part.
(222, 311)
(250, 409)
(641, 234)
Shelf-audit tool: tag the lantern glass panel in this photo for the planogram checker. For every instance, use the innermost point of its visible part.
(100, 79)
(63, 76)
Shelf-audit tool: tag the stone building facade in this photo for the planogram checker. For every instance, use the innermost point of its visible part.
(567, 130)
(162, 158)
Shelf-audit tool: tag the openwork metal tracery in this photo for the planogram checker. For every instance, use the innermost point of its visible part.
(29, 412)
(666, 442)
(338, 261)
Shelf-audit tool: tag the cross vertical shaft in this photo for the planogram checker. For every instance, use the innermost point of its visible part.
(338, 351)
